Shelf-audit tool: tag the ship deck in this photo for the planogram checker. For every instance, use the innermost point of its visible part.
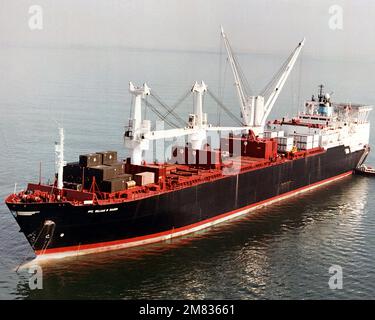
(174, 177)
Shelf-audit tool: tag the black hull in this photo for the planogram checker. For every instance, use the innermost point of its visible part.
(74, 227)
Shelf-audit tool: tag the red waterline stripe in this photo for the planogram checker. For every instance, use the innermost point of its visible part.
(190, 226)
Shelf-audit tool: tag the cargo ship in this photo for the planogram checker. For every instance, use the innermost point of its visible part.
(102, 203)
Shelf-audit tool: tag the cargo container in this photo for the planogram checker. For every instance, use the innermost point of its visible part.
(101, 173)
(304, 145)
(114, 185)
(202, 158)
(285, 140)
(72, 173)
(90, 160)
(73, 186)
(119, 167)
(159, 171)
(285, 144)
(270, 134)
(126, 176)
(303, 138)
(144, 178)
(108, 157)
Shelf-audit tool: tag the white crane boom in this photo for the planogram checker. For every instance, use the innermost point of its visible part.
(246, 114)
(254, 109)
(167, 134)
(171, 133)
(280, 83)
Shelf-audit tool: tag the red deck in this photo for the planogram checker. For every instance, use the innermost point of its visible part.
(168, 178)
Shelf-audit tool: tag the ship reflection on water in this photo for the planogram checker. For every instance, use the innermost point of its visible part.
(280, 251)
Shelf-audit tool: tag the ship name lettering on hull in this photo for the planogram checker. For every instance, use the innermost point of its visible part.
(103, 210)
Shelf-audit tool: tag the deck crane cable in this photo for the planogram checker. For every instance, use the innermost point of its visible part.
(269, 87)
(270, 84)
(178, 103)
(131, 107)
(145, 108)
(169, 110)
(226, 109)
(223, 91)
(246, 87)
(299, 102)
(220, 86)
(222, 82)
(160, 115)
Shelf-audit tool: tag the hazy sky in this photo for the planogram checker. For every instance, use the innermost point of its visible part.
(265, 26)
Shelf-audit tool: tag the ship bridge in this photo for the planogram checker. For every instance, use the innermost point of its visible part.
(335, 123)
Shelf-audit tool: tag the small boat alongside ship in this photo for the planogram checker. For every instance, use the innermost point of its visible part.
(365, 170)
(101, 203)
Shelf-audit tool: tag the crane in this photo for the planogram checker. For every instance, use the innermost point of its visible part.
(255, 109)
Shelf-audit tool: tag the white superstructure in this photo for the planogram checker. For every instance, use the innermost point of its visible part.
(328, 124)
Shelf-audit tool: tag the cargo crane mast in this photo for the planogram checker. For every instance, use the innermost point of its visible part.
(197, 125)
(245, 103)
(133, 136)
(280, 82)
(255, 109)
(139, 134)
(198, 120)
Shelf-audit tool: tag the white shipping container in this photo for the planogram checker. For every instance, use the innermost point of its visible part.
(280, 133)
(267, 134)
(274, 134)
(303, 138)
(297, 138)
(285, 141)
(144, 178)
(270, 134)
(307, 139)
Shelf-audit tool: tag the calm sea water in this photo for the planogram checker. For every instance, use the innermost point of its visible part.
(281, 251)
